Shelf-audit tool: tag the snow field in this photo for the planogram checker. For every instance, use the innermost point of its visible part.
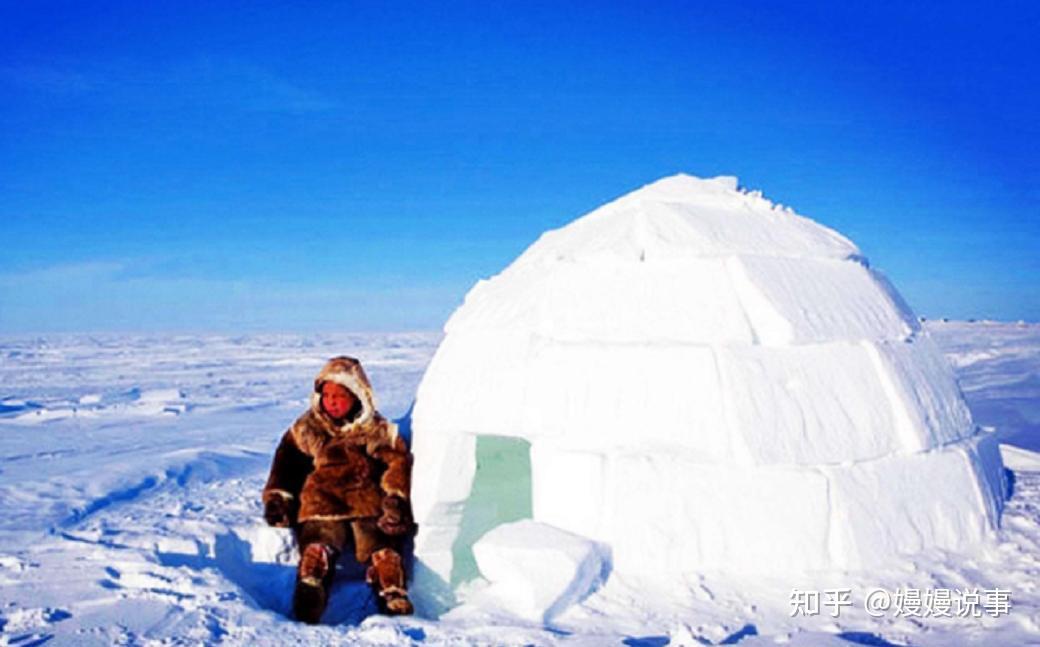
(186, 559)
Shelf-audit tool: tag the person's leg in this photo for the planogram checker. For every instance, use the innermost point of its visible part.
(320, 543)
(385, 567)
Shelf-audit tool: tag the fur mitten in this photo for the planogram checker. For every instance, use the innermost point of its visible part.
(397, 516)
(278, 512)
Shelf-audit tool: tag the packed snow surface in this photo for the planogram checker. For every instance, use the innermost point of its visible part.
(134, 525)
(708, 381)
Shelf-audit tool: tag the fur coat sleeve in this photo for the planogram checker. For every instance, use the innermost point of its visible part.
(289, 470)
(397, 478)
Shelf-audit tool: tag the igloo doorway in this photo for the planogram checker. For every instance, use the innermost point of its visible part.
(500, 493)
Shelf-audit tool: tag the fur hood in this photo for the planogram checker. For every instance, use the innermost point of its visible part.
(347, 372)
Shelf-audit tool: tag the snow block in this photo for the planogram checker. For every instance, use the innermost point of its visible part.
(905, 504)
(666, 516)
(446, 472)
(435, 546)
(683, 216)
(749, 224)
(568, 488)
(628, 302)
(663, 515)
(509, 301)
(923, 382)
(626, 396)
(984, 451)
(680, 301)
(474, 384)
(847, 302)
(805, 405)
(536, 570)
(610, 302)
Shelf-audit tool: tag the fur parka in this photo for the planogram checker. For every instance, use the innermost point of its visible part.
(329, 471)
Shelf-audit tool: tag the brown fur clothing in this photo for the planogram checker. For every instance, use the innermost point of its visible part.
(340, 471)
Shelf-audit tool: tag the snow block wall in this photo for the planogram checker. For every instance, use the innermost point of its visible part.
(707, 381)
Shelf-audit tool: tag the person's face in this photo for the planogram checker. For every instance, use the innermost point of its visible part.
(336, 399)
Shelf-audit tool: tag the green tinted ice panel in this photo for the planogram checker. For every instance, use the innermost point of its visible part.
(501, 492)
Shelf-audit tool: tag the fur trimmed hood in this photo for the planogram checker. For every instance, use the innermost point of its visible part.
(345, 371)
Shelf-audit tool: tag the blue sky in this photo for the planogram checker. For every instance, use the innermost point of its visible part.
(358, 166)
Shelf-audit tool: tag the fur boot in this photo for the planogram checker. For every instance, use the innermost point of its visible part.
(386, 575)
(313, 581)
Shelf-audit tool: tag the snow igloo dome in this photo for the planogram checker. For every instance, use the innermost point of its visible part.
(698, 379)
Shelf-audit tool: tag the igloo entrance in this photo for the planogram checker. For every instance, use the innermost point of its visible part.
(500, 493)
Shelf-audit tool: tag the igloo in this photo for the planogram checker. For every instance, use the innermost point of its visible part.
(701, 380)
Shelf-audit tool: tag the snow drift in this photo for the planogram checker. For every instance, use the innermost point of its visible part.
(697, 379)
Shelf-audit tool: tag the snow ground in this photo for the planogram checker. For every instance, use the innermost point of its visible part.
(131, 467)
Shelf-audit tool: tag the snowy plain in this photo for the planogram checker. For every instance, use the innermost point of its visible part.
(131, 467)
